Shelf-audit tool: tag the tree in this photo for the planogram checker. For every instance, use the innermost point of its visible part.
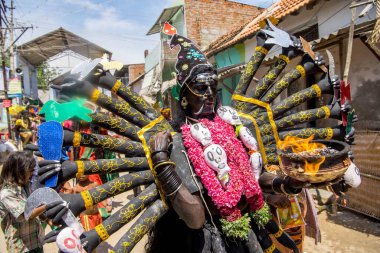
(45, 74)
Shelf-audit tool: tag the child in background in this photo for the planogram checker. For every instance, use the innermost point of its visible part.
(91, 217)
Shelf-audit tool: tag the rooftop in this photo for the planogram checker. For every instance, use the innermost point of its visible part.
(44, 47)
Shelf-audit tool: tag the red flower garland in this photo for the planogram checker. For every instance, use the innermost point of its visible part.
(242, 179)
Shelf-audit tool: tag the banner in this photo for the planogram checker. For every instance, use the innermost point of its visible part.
(14, 87)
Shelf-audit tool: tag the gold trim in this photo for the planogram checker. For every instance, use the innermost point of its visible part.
(77, 138)
(102, 232)
(316, 88)
(327, 111)
(301, 70)
(87, 199)
(270, 249)
(95, 95)
(284, 58)
(237, 130)
(140, 134)
(278, 234)
(258, 135)
(261, 50)
(262, 104)
(330, 133)
(80, 165)
(116, 86)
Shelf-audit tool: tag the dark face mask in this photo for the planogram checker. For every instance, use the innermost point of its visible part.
(201, 94)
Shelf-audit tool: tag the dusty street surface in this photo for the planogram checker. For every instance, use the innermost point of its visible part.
(344, 232)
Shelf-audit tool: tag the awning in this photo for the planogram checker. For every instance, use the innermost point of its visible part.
(166, 15)
(57, 41)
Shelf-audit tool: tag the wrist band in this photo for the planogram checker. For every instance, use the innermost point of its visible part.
(282, 186)
(279, 233)
(76, 139)
(95, 95)
(276, 184)
(174, 192)
(289, 189)
(116, 86)
(87, 199)
(102, 232)
(80, 165)
(162, 164)
(161, 161)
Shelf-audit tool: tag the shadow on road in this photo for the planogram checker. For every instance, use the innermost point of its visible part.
(356, 222)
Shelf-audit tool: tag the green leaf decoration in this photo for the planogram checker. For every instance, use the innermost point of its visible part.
(263, 216)
(238, 229)
(60, 112)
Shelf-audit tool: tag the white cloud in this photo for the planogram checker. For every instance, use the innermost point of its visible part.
(108, 20)
(88, 4)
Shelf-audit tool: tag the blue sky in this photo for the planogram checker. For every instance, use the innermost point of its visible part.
(117, 25)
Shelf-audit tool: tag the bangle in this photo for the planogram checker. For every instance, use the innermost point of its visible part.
(282, 186)
(161, 161)
(276, 185)
(162, 164)
(289, 189)
(159, 151)
(175, 191)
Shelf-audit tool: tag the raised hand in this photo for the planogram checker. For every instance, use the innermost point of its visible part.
(160, 146)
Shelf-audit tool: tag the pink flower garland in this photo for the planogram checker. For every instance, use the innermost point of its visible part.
(242, 179)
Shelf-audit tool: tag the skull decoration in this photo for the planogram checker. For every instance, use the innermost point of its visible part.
(229, 115)
(216, 158)
(201, 133)
(256, 164)
(247, 138)
(255, 157)
(68, 241)
(352, 176)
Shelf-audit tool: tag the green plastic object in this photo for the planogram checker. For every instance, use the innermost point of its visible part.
(175, 92)
(60, 112)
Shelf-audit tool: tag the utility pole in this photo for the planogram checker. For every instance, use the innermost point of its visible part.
(11, 52)
(3, 31)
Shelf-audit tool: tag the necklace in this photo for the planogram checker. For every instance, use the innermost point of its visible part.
(242, 180)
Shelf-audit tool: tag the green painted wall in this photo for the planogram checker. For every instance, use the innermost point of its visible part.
(230, 56)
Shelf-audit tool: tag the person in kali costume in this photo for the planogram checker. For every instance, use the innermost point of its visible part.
(205, 170)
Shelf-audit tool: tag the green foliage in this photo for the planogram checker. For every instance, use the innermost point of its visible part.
(263, 216)
(45, 74)
(237, 229)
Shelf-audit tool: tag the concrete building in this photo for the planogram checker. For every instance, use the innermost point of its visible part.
(50, 47)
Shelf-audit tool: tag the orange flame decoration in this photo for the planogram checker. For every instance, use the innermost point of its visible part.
(169, 29)
(299, 145)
